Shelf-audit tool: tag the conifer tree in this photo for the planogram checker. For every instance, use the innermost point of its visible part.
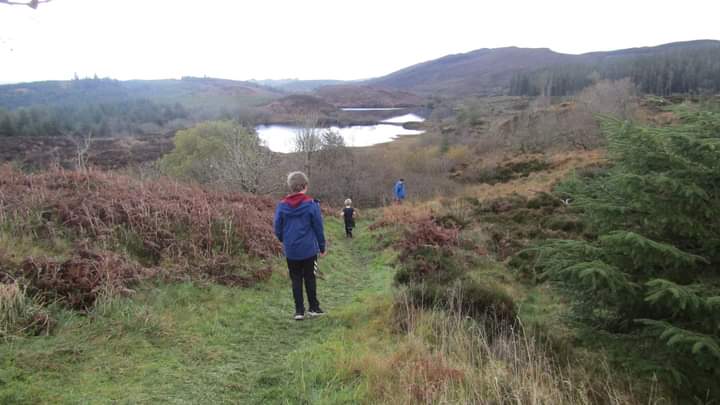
(654, 266)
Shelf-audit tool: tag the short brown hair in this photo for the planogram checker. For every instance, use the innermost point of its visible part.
(297, 181)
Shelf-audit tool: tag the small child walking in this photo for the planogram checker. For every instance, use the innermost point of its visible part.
(348, 214)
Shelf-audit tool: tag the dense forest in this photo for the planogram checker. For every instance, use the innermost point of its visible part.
(694, 70)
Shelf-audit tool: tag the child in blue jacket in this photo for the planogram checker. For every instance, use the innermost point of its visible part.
(399, 191)
(299, 226)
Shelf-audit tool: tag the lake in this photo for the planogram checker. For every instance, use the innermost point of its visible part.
(281, 138)
(371, 108)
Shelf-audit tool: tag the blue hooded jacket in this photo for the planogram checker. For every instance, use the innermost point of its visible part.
(399, 190)
(298, 225)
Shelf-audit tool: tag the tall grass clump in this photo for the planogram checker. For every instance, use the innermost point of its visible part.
(436, 356)
(460, 360)
(20, 313)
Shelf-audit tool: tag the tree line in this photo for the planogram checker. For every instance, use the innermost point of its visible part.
(679, 71)
(139, 116)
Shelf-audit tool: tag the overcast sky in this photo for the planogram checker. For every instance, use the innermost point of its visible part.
(308, 39)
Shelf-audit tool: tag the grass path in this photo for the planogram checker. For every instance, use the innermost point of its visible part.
(189, 344)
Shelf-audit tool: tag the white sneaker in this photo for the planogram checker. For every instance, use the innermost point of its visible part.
(299, 317)
(316, 312)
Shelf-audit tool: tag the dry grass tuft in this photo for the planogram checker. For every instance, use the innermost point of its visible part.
(20, 313)
(402, 214)
(447, 358)
(561, 164)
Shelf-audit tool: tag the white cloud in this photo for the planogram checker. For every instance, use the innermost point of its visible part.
(316, 38)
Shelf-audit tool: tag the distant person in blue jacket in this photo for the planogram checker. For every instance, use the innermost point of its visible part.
(399, 191)
(299, 226)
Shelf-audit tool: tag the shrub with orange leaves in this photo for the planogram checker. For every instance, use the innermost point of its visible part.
(119, 224)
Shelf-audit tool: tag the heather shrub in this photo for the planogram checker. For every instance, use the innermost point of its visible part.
(428, 263)
(436, 276)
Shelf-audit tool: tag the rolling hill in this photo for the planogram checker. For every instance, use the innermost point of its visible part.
(188, 91)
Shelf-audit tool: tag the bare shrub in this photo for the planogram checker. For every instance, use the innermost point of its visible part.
(308, 141)
(336, 174)
(82, 143)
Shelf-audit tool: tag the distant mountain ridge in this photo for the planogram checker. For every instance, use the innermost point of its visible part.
(489, 71)
(485, 69)
(481, 72)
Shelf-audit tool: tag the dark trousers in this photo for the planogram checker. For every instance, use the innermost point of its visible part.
(349, 225)
(303, 270)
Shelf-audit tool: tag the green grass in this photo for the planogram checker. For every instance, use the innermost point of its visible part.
(189, 343)
(193, 343)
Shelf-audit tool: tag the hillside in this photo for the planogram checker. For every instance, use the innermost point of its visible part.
(483, 71)
(489, 71)
(349, 95)
(112, 108)
(300, 104)
(189, 91)
(296, 85)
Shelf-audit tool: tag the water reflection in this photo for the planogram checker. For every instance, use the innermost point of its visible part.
(402, 119)
(281, 138)
(371, 108)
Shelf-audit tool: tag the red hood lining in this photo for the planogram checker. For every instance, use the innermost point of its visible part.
(294, 200)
